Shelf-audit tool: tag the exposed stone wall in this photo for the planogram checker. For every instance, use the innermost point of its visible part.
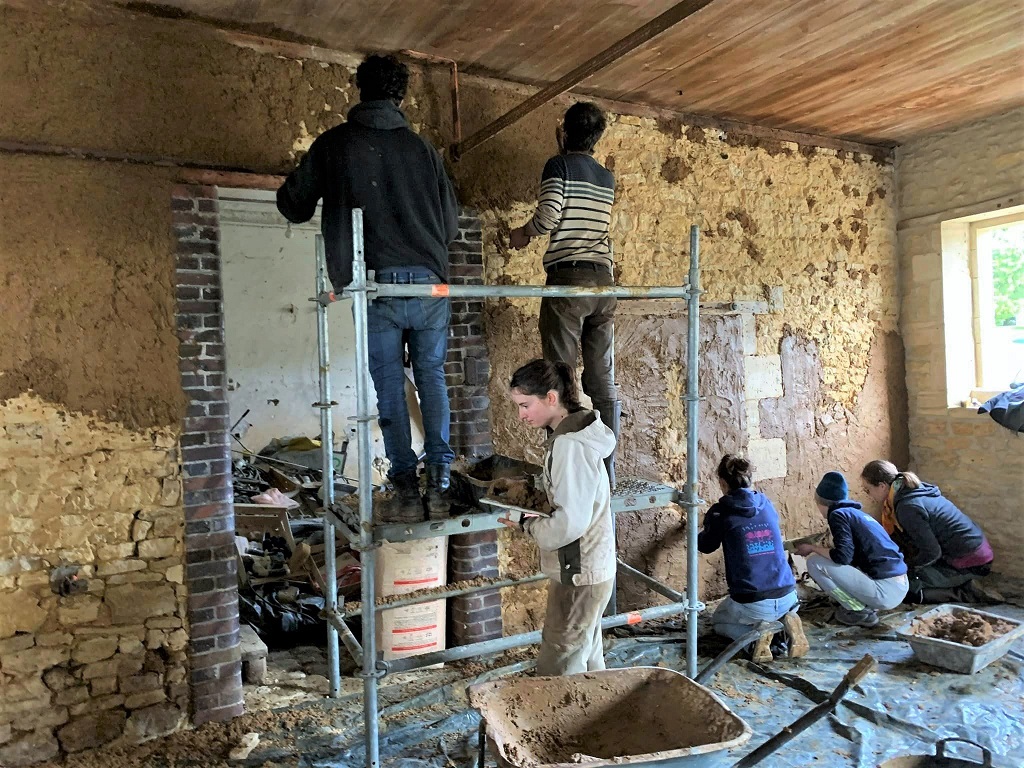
(109, 658)
(975, 462)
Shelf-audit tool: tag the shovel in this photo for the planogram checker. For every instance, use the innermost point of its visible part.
(860, 670)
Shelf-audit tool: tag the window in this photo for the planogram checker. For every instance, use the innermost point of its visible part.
(997, 293)
(979, 301)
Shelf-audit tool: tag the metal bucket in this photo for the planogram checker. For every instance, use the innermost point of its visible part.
(940, 759)
(636, 716)
(471, 481)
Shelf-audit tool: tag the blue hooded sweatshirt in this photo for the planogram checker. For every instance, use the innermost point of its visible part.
(861, 541)
(744, 523)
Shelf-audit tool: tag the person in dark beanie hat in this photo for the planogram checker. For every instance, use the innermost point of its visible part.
(832, 487)
(864, 571)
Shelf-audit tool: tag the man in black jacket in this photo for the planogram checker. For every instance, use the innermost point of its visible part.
(374, 161)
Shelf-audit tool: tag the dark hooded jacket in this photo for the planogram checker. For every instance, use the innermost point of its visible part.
(374, 161)
(861, 541)
(934, 528)
(744, 523)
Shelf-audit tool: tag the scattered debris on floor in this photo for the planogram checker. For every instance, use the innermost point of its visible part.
(426, 720)
(246, 745)
(280, 542)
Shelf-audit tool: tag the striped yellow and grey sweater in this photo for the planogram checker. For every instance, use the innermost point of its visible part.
(575, 209)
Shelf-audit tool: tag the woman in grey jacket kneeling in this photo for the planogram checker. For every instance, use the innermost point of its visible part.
(577, 546)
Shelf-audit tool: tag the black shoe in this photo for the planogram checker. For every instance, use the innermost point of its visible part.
(973, 592)
(914, 597)
(438, 483)
(779, 646)
(405, 504)
(866, 618)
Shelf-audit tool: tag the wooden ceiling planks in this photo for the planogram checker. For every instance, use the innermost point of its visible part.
(873, 70)
(864, 71)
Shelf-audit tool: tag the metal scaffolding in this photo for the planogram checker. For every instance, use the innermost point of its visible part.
(358, 528)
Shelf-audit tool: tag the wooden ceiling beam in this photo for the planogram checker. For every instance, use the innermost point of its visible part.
(608, 56)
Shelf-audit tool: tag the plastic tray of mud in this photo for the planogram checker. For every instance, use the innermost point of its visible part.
(636, 716)
(959, 657)
(471, 481)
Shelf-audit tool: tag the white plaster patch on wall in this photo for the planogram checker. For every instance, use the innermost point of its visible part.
(749, 334)
(768, 458)
(763, 375)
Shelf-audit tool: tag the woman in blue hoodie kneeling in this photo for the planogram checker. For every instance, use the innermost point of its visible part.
(761, 584)
(864, 571)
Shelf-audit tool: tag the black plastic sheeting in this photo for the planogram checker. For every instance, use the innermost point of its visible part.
(905, 707)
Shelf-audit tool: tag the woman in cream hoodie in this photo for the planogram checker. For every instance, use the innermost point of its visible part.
(577, 545)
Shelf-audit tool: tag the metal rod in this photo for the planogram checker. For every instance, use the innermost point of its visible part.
(609, 55)
(654, 584)
(327, 454)
(352, 645)
(267, 177)
(497, 645)
(428, 596)
(734, 647)
(692, 432)
(340, 524)
(405, 290)
(861, 669)
(367, 548)
(250, 455)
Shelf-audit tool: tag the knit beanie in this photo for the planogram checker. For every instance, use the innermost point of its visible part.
(832, 487)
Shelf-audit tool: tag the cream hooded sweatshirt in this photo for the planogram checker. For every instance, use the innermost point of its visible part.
(577, 546)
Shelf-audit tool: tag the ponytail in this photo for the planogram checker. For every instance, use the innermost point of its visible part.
(735, 471)
(881, 472)
(910, 480)
(538, 377)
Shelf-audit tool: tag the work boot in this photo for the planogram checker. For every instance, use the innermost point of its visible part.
(866, 618)
(798, 645)
(405, 504)
(611, 416)
(438, 481)
(761, 650)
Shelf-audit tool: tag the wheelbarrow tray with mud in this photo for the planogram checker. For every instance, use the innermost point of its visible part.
(646, 716)
(635, 716)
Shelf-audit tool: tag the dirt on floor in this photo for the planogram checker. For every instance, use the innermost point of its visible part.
(963, 627)
(291, 708)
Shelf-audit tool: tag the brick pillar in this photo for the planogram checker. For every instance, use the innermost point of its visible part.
(211, 573)
(478, 616)
(468, 369)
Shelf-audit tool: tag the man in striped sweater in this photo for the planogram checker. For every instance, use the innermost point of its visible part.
(574, 210)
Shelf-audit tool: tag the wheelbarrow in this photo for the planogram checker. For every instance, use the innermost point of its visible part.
(637, 716)
(940, 759)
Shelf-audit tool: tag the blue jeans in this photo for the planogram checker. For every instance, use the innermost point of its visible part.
(426, 320)
(734, 619)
